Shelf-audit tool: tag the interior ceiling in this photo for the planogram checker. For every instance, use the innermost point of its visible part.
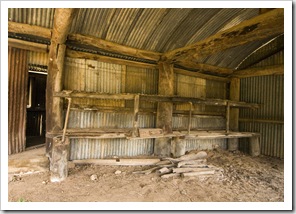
(154, 29)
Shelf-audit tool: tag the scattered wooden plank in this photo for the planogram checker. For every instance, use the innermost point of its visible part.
(164, 170)
(165, 162)
(199, 162)
(205, 172)
(147, 171)
(185, 170)
(171, 175)
(199, 155)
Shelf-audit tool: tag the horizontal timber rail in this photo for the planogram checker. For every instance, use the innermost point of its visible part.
(155, 98)
(148, 133)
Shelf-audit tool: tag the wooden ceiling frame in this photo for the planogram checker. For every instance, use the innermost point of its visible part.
(260, 27)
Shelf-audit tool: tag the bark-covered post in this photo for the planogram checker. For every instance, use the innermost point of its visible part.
(54, 105)
(164, 115)
(234, 94)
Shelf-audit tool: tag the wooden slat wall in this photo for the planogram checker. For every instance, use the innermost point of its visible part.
(17, 99)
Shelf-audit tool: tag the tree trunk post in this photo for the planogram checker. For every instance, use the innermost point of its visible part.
(164, 115)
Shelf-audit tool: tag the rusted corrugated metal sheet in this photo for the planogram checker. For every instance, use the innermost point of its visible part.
(102, 148)
(275, 59)
(94, 76)
(34, 16)
(17, 99)
(89, 148)
(268, 91)
(38, 58)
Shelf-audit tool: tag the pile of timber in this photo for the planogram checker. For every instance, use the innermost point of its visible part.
(190, 165)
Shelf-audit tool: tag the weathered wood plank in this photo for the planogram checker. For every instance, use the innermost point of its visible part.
(254, 146)
(114, 47)
(259, 71)
(257, 28)
(186, 163)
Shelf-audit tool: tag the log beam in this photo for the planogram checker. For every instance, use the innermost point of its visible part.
(201, 75)
(260, 71)
(83, 55)
(114, 47)
(258, 28)
(164, 114)
(33, 30)
(215, 70)
(26, 45)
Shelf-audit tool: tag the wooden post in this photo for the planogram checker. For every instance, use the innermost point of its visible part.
(55, 149)
(178, 147)
(59, 160)
(254, 146)
(164, 114)
(136, 114)
(234, 113)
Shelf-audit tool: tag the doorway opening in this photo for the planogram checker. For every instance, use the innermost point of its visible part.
(36, 112)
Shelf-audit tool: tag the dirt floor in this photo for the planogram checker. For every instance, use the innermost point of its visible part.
(245, 179)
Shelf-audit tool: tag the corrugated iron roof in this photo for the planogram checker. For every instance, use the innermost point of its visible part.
(155, 29)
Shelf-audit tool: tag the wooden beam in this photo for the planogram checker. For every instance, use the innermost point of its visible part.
(258, 28)
(201, 75)
(234, 94)
(26, 45)
(83, 55)
(119, 162)
(34, 30)
(114, 47)
(260, 71)
(215, 70)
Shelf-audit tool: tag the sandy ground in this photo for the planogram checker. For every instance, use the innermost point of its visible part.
(245, 178)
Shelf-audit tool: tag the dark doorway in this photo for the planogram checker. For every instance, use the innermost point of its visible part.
(35, 129)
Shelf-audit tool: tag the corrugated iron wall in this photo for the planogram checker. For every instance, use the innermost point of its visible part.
(269, 118)
(189, 86)
(17, 99)
(94, 76)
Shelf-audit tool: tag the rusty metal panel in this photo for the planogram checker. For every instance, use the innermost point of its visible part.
(105, 148)
(96, 119)
(93, 76)
(38, 58)
(188, 86)
(17, 99)
(275, 59)
(199, 122)
(269, 92)
(143, 81)
(34, 16)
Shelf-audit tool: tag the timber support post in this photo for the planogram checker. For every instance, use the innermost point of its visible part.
(57, 149)
(164, 114)
(254, 146)
(234, 95)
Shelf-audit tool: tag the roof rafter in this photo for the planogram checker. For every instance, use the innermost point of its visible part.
(257, 28)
